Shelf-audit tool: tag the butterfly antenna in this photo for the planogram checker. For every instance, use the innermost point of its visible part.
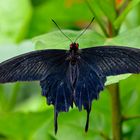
(84, 30)
(61, 31)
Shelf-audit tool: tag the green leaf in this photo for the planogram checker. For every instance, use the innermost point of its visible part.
(8, 92)
(10, 50)
(131, 20)
(130, 95)
(121, 18)
(108, 8)
(39, 125)
(97, 13)
(56, 40)
(116, 79)
(23, 125)
(14, 19)
(129, 38)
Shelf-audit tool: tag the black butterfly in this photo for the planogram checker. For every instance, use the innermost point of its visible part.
(75, 76)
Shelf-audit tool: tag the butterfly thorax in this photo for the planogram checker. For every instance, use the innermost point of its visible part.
(73, 53)
(74, 47)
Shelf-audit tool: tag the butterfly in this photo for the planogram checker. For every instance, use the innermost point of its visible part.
(74, 76)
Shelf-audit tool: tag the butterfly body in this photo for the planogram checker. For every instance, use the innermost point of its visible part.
(73, 53)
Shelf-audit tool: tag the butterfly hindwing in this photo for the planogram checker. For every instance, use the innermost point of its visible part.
(89, 83)
(57, 89)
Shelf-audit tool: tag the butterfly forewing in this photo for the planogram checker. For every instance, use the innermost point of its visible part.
(88, 85)
(31, 66)
(113, 60)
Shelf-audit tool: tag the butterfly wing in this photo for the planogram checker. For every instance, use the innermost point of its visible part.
(57, 89)
(113, 60)
(50, 67)
(89, 83)
(30, 66)
(95, 64)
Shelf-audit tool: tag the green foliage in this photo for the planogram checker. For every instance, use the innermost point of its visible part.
(111, 12)
(129, 7)
(23, 112)
(45, 12)
(14, 19)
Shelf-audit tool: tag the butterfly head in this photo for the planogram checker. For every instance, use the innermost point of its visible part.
(74, 46)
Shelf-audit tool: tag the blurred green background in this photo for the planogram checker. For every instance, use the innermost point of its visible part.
(26, 25)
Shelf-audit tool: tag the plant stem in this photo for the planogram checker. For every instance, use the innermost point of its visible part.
(115, 96)
(104, 136)
(112, 31)
(97, 18)
(116, 112)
